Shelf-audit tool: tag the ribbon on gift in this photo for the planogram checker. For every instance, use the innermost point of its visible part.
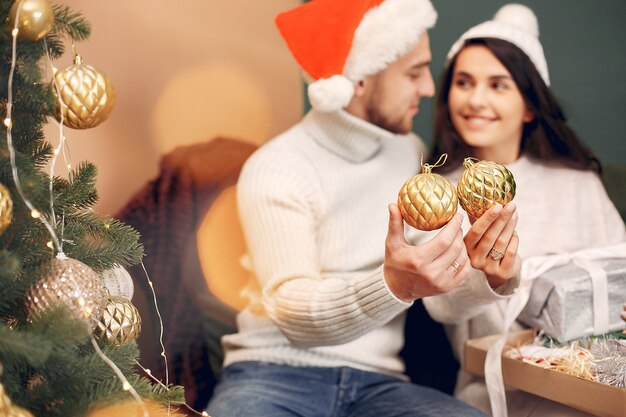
(533, 268)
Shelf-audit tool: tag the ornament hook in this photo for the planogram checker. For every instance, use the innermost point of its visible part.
(426, 168)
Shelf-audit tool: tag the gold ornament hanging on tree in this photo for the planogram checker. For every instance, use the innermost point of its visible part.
(36, 18)
(120, 321)
(484, 184)
(8, 409)
(66, 281)
(6, 208)
(86, 96)
(428, 201)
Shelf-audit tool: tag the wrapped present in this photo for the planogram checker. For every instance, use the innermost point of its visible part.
(567, 303)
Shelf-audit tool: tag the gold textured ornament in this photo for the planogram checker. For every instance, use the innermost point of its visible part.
(484, 184)
(120, 321)
(66, 281)
(8, 409)
(86, 95)
(36, 18)
(428, 201)
(6, 208)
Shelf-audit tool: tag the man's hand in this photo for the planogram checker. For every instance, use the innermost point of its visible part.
(432, 268)
(492, 244)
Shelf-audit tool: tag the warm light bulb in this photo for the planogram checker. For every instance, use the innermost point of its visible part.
(14, 32)
(7, 122)
(35, 214)
(50, 245)
(126, 386)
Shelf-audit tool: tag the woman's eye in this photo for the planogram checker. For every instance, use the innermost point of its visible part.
(461, 83)
(500, 86)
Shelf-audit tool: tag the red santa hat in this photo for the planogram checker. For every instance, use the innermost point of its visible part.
(339, 42)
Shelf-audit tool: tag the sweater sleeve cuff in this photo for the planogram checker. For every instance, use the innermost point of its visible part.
(379, 301)
(502, 292)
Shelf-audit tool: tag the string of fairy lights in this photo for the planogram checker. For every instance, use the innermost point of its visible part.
(56, 243)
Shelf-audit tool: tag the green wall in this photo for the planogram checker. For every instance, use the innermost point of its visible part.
(585, 46)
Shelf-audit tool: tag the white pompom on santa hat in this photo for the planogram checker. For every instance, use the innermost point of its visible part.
(339, 42)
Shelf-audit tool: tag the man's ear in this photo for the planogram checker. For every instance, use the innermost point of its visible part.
(359, 88)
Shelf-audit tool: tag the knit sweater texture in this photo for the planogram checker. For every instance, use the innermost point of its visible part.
(560, 210)
(313, 207)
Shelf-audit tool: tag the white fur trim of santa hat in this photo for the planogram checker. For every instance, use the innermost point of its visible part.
(514, 23)
(386, 33)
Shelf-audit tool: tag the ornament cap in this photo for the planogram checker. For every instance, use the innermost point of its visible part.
(78, 59)
(469, 162)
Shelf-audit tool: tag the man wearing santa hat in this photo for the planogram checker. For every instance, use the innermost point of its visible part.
(333, 270)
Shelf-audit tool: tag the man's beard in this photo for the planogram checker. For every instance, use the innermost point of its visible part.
(396, 126)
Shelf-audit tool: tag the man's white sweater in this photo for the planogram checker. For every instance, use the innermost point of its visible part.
(313, 206)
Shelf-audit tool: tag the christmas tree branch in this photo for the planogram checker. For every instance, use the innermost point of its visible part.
(70, 23)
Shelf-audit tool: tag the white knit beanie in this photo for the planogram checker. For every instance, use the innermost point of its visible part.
(516, 24)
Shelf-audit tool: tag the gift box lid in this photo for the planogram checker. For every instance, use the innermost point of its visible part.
(570, 275)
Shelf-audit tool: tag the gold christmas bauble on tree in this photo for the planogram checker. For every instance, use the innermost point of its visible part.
(6, 208)
(8, 409)
(484, 184)
(427, 201)
(86, 95)
(120, 321)
(35, 20)
(66, 281)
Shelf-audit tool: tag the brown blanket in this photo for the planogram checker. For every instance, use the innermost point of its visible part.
(167, 213)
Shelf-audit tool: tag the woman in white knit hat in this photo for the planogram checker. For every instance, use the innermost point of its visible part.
(495, 104)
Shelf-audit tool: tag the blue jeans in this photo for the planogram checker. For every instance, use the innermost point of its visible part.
(263, 389)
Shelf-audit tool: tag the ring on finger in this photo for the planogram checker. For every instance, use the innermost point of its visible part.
(495, 254)
(455, 265)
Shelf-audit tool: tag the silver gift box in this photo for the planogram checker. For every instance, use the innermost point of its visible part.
(561, 300)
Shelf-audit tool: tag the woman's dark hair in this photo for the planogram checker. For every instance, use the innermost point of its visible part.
(547, 137)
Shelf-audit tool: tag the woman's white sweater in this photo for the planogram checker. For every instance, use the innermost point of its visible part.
(560, 210)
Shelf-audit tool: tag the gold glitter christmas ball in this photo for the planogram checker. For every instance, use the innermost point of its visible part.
(36, 18)
(6, 208)
(427, 201)
(86, 95)
(8, 409)
(120, 321)
(66, 281)
(484, 184)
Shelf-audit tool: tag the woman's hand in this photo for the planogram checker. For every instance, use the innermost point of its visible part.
(492, 244)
